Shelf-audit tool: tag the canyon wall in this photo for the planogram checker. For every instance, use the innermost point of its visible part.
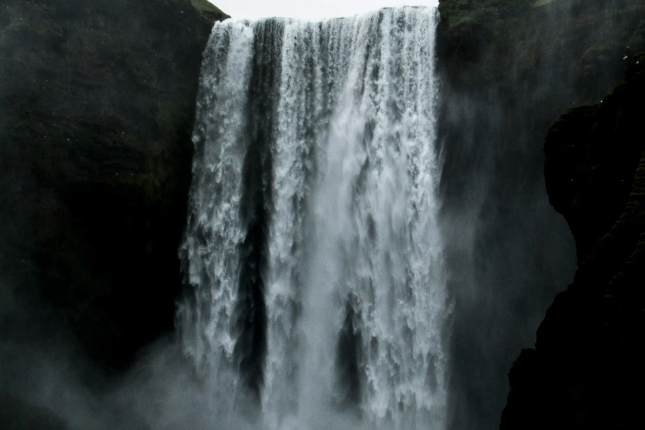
(96, 113)
(509, 69)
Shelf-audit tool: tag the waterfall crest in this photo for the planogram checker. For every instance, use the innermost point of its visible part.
(313, 256)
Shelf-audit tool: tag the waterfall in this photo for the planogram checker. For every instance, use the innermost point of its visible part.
(313, 255)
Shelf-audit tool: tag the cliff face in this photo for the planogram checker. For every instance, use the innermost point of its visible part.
(508, 70)
(96, 112)
(583, 41)
(587, 366)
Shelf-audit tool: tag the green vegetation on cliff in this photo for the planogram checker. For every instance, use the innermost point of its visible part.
(502, 40)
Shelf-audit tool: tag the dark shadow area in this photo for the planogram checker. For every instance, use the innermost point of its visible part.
(348, 362)
(588, 357)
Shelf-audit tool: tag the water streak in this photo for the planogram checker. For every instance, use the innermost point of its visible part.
(313, 254)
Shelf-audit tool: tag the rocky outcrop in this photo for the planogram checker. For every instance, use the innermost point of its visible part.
(96, 113)
(586, 370)
(508, 69)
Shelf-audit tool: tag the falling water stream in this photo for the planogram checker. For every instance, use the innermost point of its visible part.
(313, 256)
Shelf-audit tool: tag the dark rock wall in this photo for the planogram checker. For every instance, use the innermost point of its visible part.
(508, 69)
(586, 370)
(96, 114)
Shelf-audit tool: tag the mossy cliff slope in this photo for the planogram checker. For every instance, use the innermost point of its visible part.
(96, 112)
(586, 370)
(585, 41)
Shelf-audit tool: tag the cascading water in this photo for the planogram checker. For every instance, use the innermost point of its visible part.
(313, 252)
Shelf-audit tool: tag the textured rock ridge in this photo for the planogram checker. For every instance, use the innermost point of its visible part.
(586, 370)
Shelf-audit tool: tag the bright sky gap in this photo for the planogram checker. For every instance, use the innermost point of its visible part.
(255, 9)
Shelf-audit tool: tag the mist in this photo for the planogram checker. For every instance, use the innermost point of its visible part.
(161, 391)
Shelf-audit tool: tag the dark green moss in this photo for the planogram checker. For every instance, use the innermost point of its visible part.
(505, 40)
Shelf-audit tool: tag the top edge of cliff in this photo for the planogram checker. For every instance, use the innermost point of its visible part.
(209, 11)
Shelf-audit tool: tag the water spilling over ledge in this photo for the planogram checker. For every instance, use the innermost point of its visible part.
(313, 253)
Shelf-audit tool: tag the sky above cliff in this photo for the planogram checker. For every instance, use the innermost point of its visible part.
(254, 9)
